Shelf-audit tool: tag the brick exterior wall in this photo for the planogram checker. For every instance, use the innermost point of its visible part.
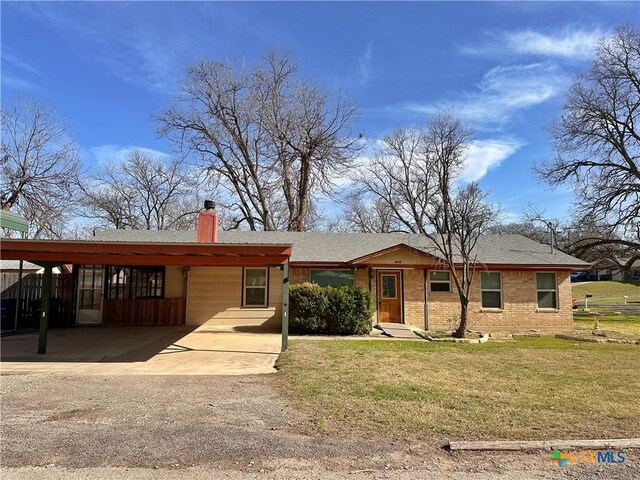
(414, 297)
(519, 300)
(298, 275)
(519, 312)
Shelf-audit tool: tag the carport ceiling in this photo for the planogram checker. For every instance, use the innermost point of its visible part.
(120, 253)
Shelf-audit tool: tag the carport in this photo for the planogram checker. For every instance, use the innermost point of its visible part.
(51, 253)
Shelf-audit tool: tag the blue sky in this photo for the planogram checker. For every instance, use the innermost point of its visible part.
(503, 67)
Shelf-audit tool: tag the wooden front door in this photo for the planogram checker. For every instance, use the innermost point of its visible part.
(389, 297)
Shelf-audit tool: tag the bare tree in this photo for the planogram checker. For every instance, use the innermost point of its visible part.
(397, 180)
(38, 164)
(144, 192)
(458, 217)
(274, 141)
(413, 178)
(597, 142)
(361, 215)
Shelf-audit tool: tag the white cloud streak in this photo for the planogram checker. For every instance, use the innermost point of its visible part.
(485, 155)
(108, 153)
(364, 63)
(570, 43)
(502, 93)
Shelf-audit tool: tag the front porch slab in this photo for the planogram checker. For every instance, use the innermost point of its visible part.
(225, 350)
(398, 330)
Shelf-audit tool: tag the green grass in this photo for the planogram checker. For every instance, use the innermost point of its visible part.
(626, 324)
(607, 291)
(531, 388)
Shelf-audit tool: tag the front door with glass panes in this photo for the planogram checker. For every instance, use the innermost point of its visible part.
(389, 297)
(90, 288)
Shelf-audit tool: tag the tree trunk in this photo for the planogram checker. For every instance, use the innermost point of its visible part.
(462, 328)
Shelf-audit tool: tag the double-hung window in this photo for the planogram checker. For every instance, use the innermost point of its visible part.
(255, 287)
(547, 290)
(491, 289)
(440, 281)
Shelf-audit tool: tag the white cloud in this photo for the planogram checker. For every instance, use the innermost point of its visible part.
(103, 154)
(11, 58)
(17, 83)
(129, 47)
(569, 43)
(503, 91)
(16, 71)
(485, 155)
(364, 63)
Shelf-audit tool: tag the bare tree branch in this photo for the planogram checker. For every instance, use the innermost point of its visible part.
(38, 164)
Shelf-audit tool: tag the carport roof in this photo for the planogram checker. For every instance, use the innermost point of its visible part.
(142, 253)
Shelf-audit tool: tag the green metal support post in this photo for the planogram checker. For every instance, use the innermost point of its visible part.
(285, 306)
(46, 307)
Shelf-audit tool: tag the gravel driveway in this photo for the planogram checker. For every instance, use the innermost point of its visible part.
(124, 426)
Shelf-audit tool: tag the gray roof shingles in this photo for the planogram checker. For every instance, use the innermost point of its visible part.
(332, 247)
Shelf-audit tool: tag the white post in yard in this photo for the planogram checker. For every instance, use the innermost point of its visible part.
(587, 296)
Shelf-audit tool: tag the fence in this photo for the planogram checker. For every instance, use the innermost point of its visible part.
(29, 303)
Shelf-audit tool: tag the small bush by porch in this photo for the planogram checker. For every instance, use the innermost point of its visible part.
(342, 310)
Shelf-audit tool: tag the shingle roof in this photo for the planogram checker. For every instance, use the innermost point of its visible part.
(317, 247)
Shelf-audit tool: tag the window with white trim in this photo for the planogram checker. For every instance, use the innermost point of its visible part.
(547, 290)
(491, 289)
(440, 281)
(255, 287)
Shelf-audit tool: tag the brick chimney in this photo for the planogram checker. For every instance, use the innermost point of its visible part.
(208, 223)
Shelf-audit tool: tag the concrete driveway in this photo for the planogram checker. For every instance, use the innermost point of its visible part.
(225, 350)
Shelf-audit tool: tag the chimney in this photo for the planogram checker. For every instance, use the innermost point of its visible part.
(208, 223)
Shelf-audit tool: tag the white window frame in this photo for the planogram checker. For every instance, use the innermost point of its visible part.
(245, 287)
(555, 291)
(492, 290)
(448, 282)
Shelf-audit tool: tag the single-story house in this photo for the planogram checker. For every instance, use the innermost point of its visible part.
(606, 269)
(210, 277)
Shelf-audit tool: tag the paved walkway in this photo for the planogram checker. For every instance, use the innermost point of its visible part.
(224, 350)
(397, 330)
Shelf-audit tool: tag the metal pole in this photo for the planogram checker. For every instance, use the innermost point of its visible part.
(45, 308)
(19, 299)
(285, 306)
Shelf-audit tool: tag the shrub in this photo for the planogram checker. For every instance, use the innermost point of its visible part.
(307, 308)
(340, 310)
(349, 311)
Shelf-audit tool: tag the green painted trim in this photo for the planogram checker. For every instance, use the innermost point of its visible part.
(285, 306)
(45, 308)
(13, 221)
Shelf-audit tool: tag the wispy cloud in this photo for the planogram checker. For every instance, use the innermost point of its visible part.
(502, 93)
(17, 83)
(10, 57)
(485, 155)
(17, 73)
(570, 43)
(108, 153)
(120, 39)
(364, 63)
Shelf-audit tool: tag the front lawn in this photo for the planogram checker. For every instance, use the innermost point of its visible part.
(610, 321)
(531, 388)
(606, 292)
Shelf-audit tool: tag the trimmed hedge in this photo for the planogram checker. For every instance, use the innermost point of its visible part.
(330, 310)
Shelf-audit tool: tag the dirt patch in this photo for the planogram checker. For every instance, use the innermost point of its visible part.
(188, 426)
